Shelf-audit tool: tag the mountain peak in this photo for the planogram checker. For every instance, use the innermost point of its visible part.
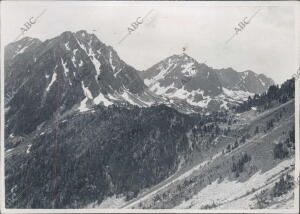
(84, 34)
(25, 40)
(181, 76)
(81, 36)
(75, 68)
(182, 56)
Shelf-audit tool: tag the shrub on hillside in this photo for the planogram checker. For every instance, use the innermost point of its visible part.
(228, 148)
(284, 148)
(209, 206)
(238, 166)
(262, 199)
(280, 151)
(281, 187)
(290, 141)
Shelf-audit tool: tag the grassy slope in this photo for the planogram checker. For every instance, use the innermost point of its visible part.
(182, 192)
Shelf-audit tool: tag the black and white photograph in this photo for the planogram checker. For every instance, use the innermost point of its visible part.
(157, 106)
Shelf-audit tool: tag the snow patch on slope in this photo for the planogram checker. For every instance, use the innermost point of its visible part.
(188, 69)
(83, 107)
(95, 62)
(237, 95)
(226, 194)
(128, 98)
(73, 57)
(181, 177)
(111, 61)
(66, 70)
(21, 50)
(67, 46)
(88, 95)
(189, 96)
(86, 91)
(102, 99)
(160, 75)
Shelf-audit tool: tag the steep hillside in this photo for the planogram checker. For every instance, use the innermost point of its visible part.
(244, 173)
(272, 97)
(95, 154)
(150, 158)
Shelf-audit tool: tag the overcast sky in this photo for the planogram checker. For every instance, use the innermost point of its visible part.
(266, 45)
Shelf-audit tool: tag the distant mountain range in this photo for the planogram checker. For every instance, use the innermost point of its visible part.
(182, 77)
(76, 71)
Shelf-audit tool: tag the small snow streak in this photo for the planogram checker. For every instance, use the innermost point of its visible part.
(67, 46)
(96, 64)
(21, 50)
(88, 95)
(73, 57)
(54, 76)
(115, 74)
(86, 91)
(28, 149)
(91, 54)
(111, 61)
(262, 82)
(66, 70)
(83, 106)
(188, 69)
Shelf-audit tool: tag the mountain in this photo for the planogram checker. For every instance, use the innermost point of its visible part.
(180, 77)
(154, 157)
(83, 120)
(71, 72)
(272, 97)
(175, 70)
(87, 157)
(76, 71)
